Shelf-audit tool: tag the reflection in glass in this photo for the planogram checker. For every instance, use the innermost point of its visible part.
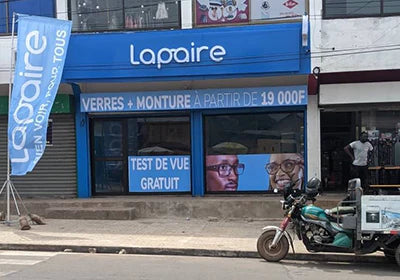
(159, 136)
(254, 133)
(348, 8)
(108, 139)
(108, 176)
(97, 15)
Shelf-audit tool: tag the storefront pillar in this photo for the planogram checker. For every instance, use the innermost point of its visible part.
(197, 153)
(82, 147)
(313, 138)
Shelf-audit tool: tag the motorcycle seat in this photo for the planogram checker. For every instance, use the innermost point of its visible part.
(341, 210)
(336, 214)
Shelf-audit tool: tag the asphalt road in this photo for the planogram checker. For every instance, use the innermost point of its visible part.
(62, 266)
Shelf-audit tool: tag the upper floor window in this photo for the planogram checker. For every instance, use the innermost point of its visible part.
(357, 8)
(30, 7)
(102, 15)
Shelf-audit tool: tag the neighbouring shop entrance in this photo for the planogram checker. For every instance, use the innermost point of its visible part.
(340, 128)
(115, 139)
(336, 132)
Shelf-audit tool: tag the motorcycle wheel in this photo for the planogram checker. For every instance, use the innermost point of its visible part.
(397, 255)
(272, 254)
(390, 255)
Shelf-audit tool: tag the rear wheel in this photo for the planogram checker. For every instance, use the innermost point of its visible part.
(397, 255)
(390, 255)
(272, 254)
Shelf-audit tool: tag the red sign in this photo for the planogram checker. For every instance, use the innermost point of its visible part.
(290, 4)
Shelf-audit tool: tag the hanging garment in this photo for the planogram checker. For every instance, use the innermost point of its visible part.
(129, 21)
(162, 12)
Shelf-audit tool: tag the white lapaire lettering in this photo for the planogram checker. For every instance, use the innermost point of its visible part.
(179, 55)
(30, 90)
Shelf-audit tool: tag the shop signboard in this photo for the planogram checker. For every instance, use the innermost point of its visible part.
(380, 213)
(195, 99)
(267, 9)
(206, 53)
(159, 174)
(253, 172)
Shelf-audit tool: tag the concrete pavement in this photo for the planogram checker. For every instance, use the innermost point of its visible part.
(170, 236)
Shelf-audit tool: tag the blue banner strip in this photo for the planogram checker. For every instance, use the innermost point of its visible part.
(41, 51)
(195, 99)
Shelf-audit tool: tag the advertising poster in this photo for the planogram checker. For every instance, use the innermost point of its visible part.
(41, 52)
(380, 212)
(268, 9)
(159, 173)
(209, 12)
(253, 172)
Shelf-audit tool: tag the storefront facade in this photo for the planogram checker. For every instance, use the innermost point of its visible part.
(358, 76)
(242, 116)
(344, 117)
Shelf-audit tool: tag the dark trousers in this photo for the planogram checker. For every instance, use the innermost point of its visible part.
(362, 173)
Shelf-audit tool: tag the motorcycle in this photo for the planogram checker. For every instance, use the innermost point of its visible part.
(332, 230)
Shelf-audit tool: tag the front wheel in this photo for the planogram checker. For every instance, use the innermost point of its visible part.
(272, 254)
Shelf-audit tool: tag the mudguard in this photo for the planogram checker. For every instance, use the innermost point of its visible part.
(275, 228)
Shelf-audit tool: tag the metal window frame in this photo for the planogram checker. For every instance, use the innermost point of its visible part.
(179, 26)
(381, 14)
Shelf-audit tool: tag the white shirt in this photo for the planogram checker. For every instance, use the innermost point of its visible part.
(361, 152)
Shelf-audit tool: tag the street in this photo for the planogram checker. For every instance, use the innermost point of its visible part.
(62, 266)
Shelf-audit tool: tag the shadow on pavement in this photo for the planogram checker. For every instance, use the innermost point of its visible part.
(370, 269)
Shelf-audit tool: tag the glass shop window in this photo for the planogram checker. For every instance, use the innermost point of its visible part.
(101, 15)
(357, 8)
(159, 154)
(254, 152)
(153, 136)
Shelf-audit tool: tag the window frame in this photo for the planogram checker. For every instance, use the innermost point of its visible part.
(124, 29)
(380, 14)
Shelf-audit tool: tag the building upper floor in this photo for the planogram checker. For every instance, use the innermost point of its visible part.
(135, 15)
(123, 36)
(354, 35)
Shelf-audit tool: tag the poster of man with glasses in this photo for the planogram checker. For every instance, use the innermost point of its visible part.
(253, 172)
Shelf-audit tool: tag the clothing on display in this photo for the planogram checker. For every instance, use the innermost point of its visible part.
(162, 12)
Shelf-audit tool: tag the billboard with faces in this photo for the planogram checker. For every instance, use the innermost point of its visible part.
(210, 12)
(253, 172)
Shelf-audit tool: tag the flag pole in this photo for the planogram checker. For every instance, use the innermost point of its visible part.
(9, 104)
(8, 184)
(10, 189)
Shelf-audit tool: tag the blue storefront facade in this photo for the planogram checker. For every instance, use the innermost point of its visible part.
(227, 116)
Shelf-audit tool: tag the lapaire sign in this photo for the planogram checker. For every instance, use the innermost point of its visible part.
(180, 54)
(206, 53)
(42, 47)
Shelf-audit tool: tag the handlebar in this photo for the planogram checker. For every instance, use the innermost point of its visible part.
(291, 201)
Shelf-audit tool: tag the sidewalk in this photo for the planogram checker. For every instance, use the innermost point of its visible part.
(194, 237)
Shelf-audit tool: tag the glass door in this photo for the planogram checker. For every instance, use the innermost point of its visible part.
(109, 160)
(118, 143)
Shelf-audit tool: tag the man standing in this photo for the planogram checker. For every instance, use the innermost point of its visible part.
(361, 148)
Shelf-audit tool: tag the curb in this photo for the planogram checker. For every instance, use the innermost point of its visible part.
(320, 257)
